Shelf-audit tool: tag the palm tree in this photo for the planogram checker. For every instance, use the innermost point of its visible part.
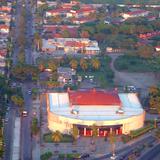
(57, 137)
(112, 140)
(74, 64)
(41, 67)
(83, 64)
(157, 134)
(94, 133)
(95, 63)
(38, 41)
(17, 100)
(75, 132)
(52, 66)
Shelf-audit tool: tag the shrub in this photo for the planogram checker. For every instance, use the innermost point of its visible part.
(47, 137)
(141, 131)
(46, 156)
(138, 132)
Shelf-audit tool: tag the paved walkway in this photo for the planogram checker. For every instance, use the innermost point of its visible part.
(36, 139)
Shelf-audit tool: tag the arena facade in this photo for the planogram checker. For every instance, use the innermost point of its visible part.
(109, 111)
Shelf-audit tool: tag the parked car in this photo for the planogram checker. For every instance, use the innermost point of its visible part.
(85, 155)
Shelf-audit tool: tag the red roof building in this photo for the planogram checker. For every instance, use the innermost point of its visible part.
(5, 9)
(94, 97)
(157, 48)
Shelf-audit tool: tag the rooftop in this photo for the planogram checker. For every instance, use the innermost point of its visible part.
(94, 97)
(60, 105)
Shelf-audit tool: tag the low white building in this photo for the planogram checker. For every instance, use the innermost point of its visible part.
(4, 29)
(157, 49)
(135, 13)
(48, 46)
(71, 45)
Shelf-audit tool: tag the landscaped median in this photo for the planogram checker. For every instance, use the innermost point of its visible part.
(68, 156)
(137, 133)
(48, 138)
(46, 155)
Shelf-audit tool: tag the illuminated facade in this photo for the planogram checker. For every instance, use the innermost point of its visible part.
(109, 111)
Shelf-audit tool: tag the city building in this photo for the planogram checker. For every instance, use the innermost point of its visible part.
(71, 45)
(135, 13)
(109, 111)
(157, 48)
(65, 75)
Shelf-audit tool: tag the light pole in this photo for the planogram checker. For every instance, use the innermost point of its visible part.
(155, 122)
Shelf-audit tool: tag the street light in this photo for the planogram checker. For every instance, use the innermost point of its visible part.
(155, 122)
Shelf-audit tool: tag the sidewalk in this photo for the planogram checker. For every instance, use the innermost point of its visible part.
(36, 139)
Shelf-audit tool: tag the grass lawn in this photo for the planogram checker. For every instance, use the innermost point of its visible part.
(137, 64)
(65, 138)
(68, 156)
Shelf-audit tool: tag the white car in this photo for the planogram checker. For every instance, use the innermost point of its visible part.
(24, 113)
(29, 92)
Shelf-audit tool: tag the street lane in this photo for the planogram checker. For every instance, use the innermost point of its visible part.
(8, 133)
(26, 143)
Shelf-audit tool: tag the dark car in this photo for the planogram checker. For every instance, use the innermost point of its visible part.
(85, 156)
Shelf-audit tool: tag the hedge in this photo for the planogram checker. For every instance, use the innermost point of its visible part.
(46, 156)
(138, 132)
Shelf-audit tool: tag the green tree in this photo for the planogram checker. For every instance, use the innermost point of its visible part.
(21, 56)
(157, 134)
(145, 51)
(154, 98)
(83, 64)
(84, 34)
(95, 63)
(38, 41)
(74, 64)
(34, 126)
(94, 132)
(75, 132)
(112, 141)
(52, 66)
(19, 101)
(65, 34)
(57, 136)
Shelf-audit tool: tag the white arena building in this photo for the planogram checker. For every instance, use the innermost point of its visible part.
(109, 111)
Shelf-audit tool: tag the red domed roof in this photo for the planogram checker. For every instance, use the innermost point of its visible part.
(94, 97)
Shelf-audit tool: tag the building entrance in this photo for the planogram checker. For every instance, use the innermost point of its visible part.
(102, 131)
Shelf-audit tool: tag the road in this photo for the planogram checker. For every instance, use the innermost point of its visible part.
(16, 35)
(9, 125)
(128, 149)
(26, 141)
(153, 154)
(26, 144)
(8, 132)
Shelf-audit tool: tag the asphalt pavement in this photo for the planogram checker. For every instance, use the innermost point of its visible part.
(8, 132)
(128, 149)
(26, 140)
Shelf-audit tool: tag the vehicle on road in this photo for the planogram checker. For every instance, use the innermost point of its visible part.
(24, 113)
(85, 155)
(29, 92)
(130, 89)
